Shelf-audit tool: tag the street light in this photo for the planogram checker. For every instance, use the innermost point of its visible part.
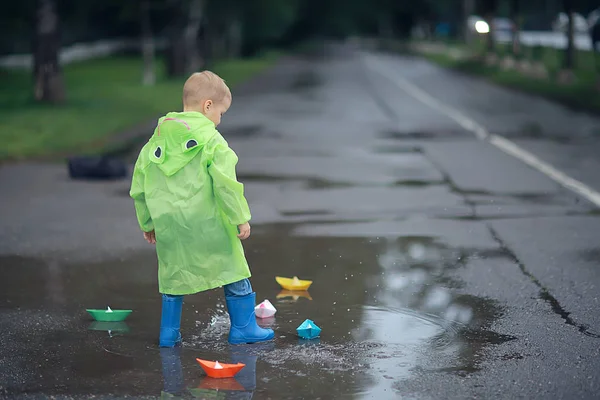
(482, 27)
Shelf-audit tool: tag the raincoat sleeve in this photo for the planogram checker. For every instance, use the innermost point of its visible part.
(229, 193)
(138, 195)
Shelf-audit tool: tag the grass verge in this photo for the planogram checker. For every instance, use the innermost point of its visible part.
(104, 97)
(582, 94)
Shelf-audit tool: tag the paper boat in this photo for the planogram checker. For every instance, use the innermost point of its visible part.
(215, 369)
(308, 330)
(265, 309)
(293, 283)
(294, 294)
(109, 315)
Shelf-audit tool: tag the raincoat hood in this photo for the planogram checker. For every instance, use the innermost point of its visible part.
(178, 137)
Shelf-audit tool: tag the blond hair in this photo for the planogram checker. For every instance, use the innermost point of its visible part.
(202, 86)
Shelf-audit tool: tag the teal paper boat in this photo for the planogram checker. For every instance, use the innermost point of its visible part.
(109, 315)
(308, 330)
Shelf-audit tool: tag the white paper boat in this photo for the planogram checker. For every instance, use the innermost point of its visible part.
(265, 309)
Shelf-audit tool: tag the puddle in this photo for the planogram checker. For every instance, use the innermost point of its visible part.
(483, 197)
(389, 309)
(307, 182)
(306, 80)
(248, 131)
(534, 131)
(397, 149)
(417, 183)
(305, 213)
(425, 135)
(590, 255)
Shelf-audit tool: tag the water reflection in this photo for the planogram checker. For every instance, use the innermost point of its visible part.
(416, 311)
(112, 328)
(242, 386)
(293, 294)
(172, 370)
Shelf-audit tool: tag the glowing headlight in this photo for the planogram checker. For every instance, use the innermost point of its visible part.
(482, 27)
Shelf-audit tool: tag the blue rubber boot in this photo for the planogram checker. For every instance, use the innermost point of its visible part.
(170, 321)
(243, 321)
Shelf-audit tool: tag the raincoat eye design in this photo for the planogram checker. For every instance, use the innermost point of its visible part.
(185, 188)
(190, 144)
(157, 151)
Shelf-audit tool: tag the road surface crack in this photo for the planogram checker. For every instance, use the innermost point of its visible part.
(544, 293)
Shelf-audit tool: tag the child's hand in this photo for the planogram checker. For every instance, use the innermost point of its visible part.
(244, 231)
(150, 237)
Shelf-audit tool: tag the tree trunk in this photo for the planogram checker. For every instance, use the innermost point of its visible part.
(183, 54)
(515, 18)
(595, 38)
(218, 40)
(193, 58)
(468, 6)
(49, 84)
(384, 26)
(175, 48)
(491, 6)
(491, 42)
(149, 77)
(569, 61)
(234, 35)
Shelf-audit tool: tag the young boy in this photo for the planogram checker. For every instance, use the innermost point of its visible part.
(189, 203)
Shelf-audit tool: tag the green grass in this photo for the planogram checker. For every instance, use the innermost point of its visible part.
(104, 97)
(582, 94)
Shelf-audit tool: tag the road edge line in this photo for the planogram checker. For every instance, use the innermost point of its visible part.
(507, 146)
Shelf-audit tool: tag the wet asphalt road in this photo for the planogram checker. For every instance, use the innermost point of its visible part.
(442, 267)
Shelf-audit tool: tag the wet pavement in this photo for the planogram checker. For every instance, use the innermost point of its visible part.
(442, 267)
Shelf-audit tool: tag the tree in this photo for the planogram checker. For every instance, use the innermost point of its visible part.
(569, 60)
(149, 76)
(267, 21)
(468, 6)
(183, 53)
(49, 85)
(224, 28)
(515, 18)
(489, 14)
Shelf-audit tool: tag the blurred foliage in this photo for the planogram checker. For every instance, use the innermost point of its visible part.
(265, 22)
(105, 96)
(99, 88)
(580, 94)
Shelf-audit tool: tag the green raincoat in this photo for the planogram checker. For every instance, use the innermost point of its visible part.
(185, 189)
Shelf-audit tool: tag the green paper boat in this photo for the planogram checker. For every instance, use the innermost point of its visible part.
(109, 315)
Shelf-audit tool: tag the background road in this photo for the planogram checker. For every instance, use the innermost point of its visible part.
(442, 267)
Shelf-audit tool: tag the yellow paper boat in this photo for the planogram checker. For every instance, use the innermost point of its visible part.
(293, 283)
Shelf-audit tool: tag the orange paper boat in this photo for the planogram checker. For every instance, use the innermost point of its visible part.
(293, 283)
(215, 369)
